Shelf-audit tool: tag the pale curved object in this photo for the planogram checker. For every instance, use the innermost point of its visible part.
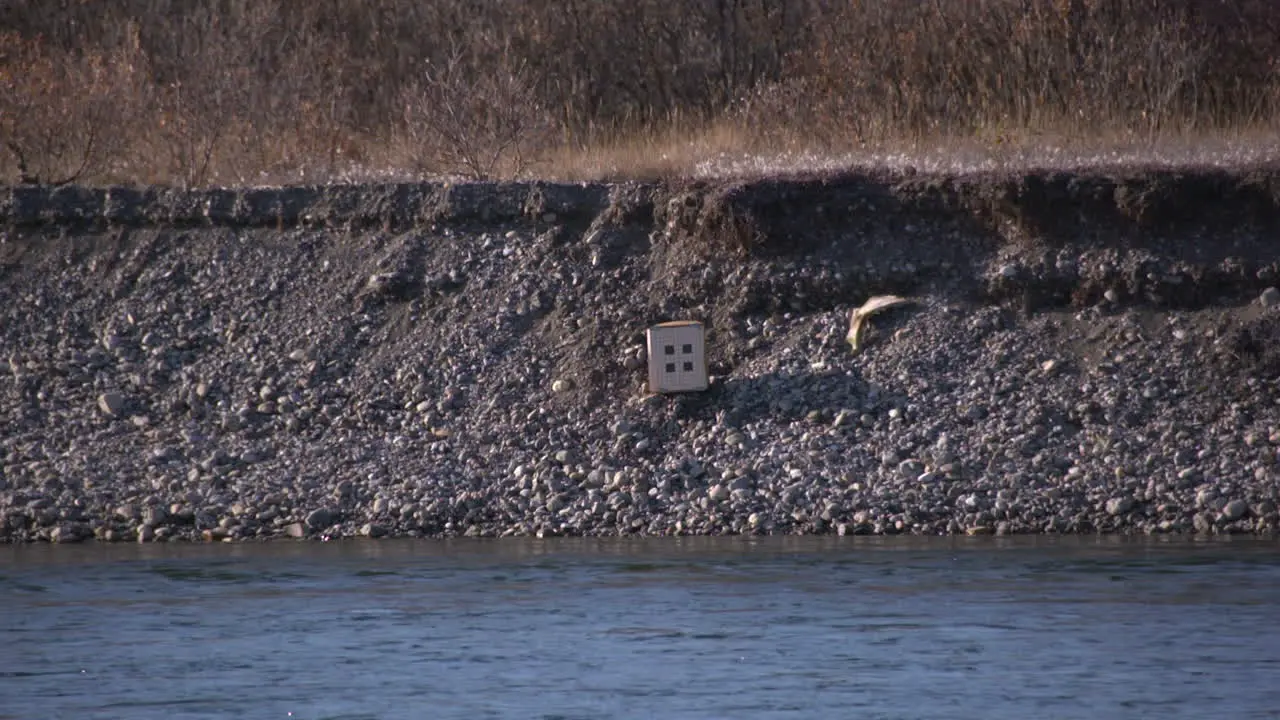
(875, 304)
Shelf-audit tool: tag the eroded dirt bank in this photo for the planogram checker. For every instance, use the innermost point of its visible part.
(1092, 352)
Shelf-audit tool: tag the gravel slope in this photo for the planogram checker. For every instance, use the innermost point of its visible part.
(1092, 352)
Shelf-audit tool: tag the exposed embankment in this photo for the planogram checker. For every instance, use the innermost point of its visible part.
(1093, 352)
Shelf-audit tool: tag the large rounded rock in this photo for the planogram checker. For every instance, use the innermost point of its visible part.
(319, 519)
(1234, 510)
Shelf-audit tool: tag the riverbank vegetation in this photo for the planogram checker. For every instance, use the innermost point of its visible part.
(198, 92)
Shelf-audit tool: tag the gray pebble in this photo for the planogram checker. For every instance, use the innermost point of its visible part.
(112, 404)
(319, 519)
(1235, 509)
(1119, 505)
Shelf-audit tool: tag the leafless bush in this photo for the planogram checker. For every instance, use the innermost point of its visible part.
(56, 112)
(917, 69)
(206, 80)
(480, 125)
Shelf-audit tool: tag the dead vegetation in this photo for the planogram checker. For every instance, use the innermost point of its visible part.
(196, 92)
(1253, 344)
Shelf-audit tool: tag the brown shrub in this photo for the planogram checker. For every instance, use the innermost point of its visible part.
(480, 125)
(56, 111)
(1002, 67)
(242, 91)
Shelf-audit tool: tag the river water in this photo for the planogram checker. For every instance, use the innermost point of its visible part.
(661, 628)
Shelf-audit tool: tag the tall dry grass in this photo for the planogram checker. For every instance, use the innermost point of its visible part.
(196, 92)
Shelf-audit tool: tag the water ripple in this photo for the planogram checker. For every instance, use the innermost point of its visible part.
(734, 629)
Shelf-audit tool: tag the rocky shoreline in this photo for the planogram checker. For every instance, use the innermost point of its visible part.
(1096, 351)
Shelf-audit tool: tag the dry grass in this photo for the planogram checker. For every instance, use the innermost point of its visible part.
(197, 92)
(670, 151)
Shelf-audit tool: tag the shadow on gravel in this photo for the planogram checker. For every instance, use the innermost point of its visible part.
(886, 233)
(1253, 346)
(1139, 206)
(782, 397)
(1186, 238)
